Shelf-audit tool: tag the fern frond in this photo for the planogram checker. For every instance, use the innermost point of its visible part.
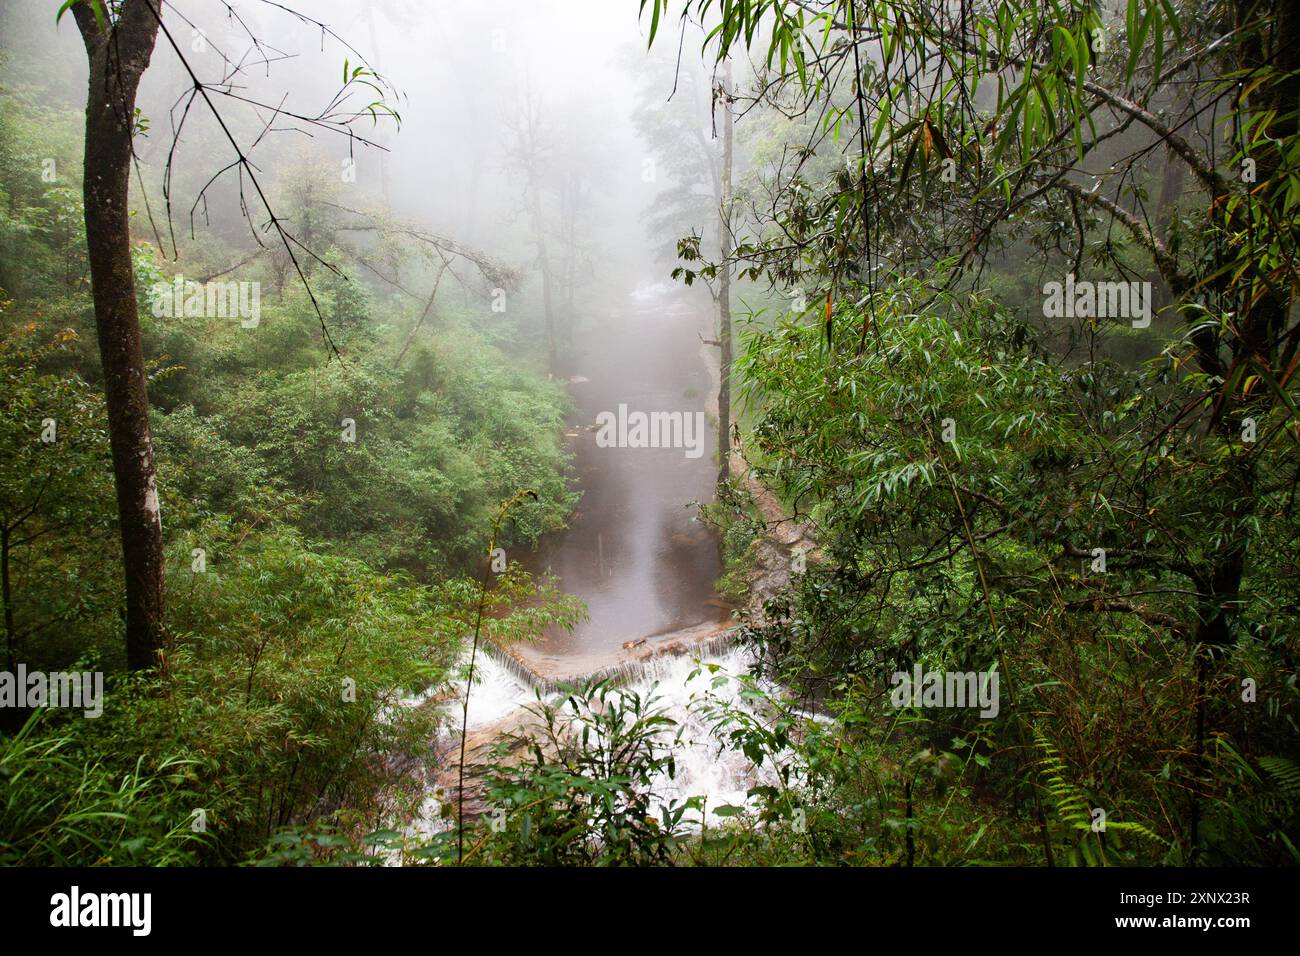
(1285, 773)
(1072, 805)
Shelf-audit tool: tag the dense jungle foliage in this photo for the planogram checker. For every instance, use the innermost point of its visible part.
(1086, 503)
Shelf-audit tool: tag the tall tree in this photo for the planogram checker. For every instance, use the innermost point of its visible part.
(965, 124)
(676, 131)
(725, 244)
(119, 37)
(119, 43)
(528, 155)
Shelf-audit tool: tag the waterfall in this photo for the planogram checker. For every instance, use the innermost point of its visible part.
(704, 767)
(631, 670)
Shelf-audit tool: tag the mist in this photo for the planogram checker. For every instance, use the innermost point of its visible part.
(545, 432)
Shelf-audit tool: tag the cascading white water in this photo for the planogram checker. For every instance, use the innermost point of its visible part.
(705, 767)
(497, 693)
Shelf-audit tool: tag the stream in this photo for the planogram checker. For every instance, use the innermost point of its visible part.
(635, 551)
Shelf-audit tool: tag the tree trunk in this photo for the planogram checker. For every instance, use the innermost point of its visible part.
(1171, 190)
(11, 639)
(1258, 333)
(117, 60)
(724, 285)
(544, 262)
(573, 193)
(11, 718)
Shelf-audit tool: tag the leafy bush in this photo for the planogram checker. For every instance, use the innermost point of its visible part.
(63, 806)
(585, 790)
(962, 482)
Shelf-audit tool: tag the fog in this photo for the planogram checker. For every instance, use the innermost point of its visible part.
(464, 79)
(484, 164)
(819, 345)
